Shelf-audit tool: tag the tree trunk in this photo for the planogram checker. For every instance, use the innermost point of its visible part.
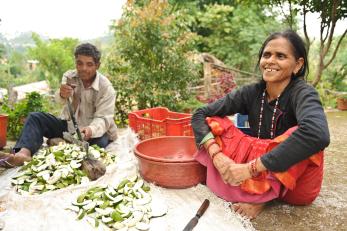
(319, 71)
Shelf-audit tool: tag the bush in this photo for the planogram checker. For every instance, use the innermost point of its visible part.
(190, 105)
(149, 61)
(19, 111)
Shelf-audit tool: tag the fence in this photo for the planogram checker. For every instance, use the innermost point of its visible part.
(219, 79)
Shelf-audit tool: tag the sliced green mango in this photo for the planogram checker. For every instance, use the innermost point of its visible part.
(116, 216)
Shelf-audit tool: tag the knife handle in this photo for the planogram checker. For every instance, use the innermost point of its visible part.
(203, 208)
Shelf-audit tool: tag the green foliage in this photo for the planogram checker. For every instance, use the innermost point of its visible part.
(55, 57)
(189, 105)
(17, 63)
(8, 80)
(329, 13)
(234, 33)
(19, 111)
(6, 77)
(12, 68)
(328, 100)
(2, 50)
(336, 73)
(325, 8)
(334, 77)
(149, 65)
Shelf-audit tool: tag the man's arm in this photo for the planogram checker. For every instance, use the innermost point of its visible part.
(104, 114)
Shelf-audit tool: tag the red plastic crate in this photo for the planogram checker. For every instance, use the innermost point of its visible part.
(160, 121)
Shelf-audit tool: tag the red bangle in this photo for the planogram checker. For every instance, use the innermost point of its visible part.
(214, 154)
(209, 145)
(253, 168)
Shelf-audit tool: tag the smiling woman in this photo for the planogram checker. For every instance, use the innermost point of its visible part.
(278, 63)
(59, 19)
(283, 158)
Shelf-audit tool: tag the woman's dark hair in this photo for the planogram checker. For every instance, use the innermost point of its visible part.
(298, 46)
(88, 49)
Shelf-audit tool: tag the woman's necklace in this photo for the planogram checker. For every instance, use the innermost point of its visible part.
(272, 132)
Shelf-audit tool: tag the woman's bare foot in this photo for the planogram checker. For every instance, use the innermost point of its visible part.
(248, 210)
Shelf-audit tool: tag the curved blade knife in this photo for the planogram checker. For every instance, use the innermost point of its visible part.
(192, 223)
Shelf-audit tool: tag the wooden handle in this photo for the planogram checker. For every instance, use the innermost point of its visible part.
(203, 208)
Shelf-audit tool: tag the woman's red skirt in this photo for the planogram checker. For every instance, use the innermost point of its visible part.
(299, 185)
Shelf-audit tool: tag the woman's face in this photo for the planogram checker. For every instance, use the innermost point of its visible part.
(278, 63)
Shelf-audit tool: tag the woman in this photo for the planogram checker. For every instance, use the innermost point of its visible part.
(277, 162)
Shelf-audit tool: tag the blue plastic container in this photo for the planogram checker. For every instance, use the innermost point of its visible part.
(241, 122)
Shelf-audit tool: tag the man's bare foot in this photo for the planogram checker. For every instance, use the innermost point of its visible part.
(248, 210)
(18, 159)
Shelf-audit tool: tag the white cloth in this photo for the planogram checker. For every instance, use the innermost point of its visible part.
(46, 211)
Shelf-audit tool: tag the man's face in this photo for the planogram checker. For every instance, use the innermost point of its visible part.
(86, 67)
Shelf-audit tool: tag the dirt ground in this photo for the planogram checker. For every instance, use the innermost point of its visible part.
(329, 210)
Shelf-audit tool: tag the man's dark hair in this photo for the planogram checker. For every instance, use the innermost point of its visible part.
(88, 49)
(298, 46)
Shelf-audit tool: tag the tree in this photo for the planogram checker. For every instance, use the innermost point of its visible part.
(17, 63)
(330, 13)
(152, 45)
(336, 73)
(234, 33)
(231, 30)
(2, 50)
(55, 57)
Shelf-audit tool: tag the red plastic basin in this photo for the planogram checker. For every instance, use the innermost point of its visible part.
(3, 130)
(168, 161)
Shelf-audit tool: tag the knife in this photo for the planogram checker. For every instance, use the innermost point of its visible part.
(192, 223)
(85, 145)
(92, 167)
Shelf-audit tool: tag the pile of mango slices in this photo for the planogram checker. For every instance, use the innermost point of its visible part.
(56, 167)
(125, 206)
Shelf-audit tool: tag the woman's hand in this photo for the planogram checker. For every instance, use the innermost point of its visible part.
(231, 173)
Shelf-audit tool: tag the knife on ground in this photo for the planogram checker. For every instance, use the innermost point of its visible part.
(192, 223)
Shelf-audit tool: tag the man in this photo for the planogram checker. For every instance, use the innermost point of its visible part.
(93, 103)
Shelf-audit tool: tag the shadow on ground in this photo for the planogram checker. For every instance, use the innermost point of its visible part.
(329, 210)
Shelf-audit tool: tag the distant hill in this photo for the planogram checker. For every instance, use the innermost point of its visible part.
(21, 42)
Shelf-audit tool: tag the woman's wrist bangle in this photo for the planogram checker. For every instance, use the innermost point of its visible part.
(210, 144)
(214, 154)
(253, 168)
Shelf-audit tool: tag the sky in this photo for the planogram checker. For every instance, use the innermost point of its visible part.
(82, 19)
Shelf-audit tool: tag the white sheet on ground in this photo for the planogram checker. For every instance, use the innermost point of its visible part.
(46, 211)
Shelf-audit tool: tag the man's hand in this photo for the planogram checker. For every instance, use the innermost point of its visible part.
(66, 91)
(87, 131)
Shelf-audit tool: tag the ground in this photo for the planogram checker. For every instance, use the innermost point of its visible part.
(329, 210)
